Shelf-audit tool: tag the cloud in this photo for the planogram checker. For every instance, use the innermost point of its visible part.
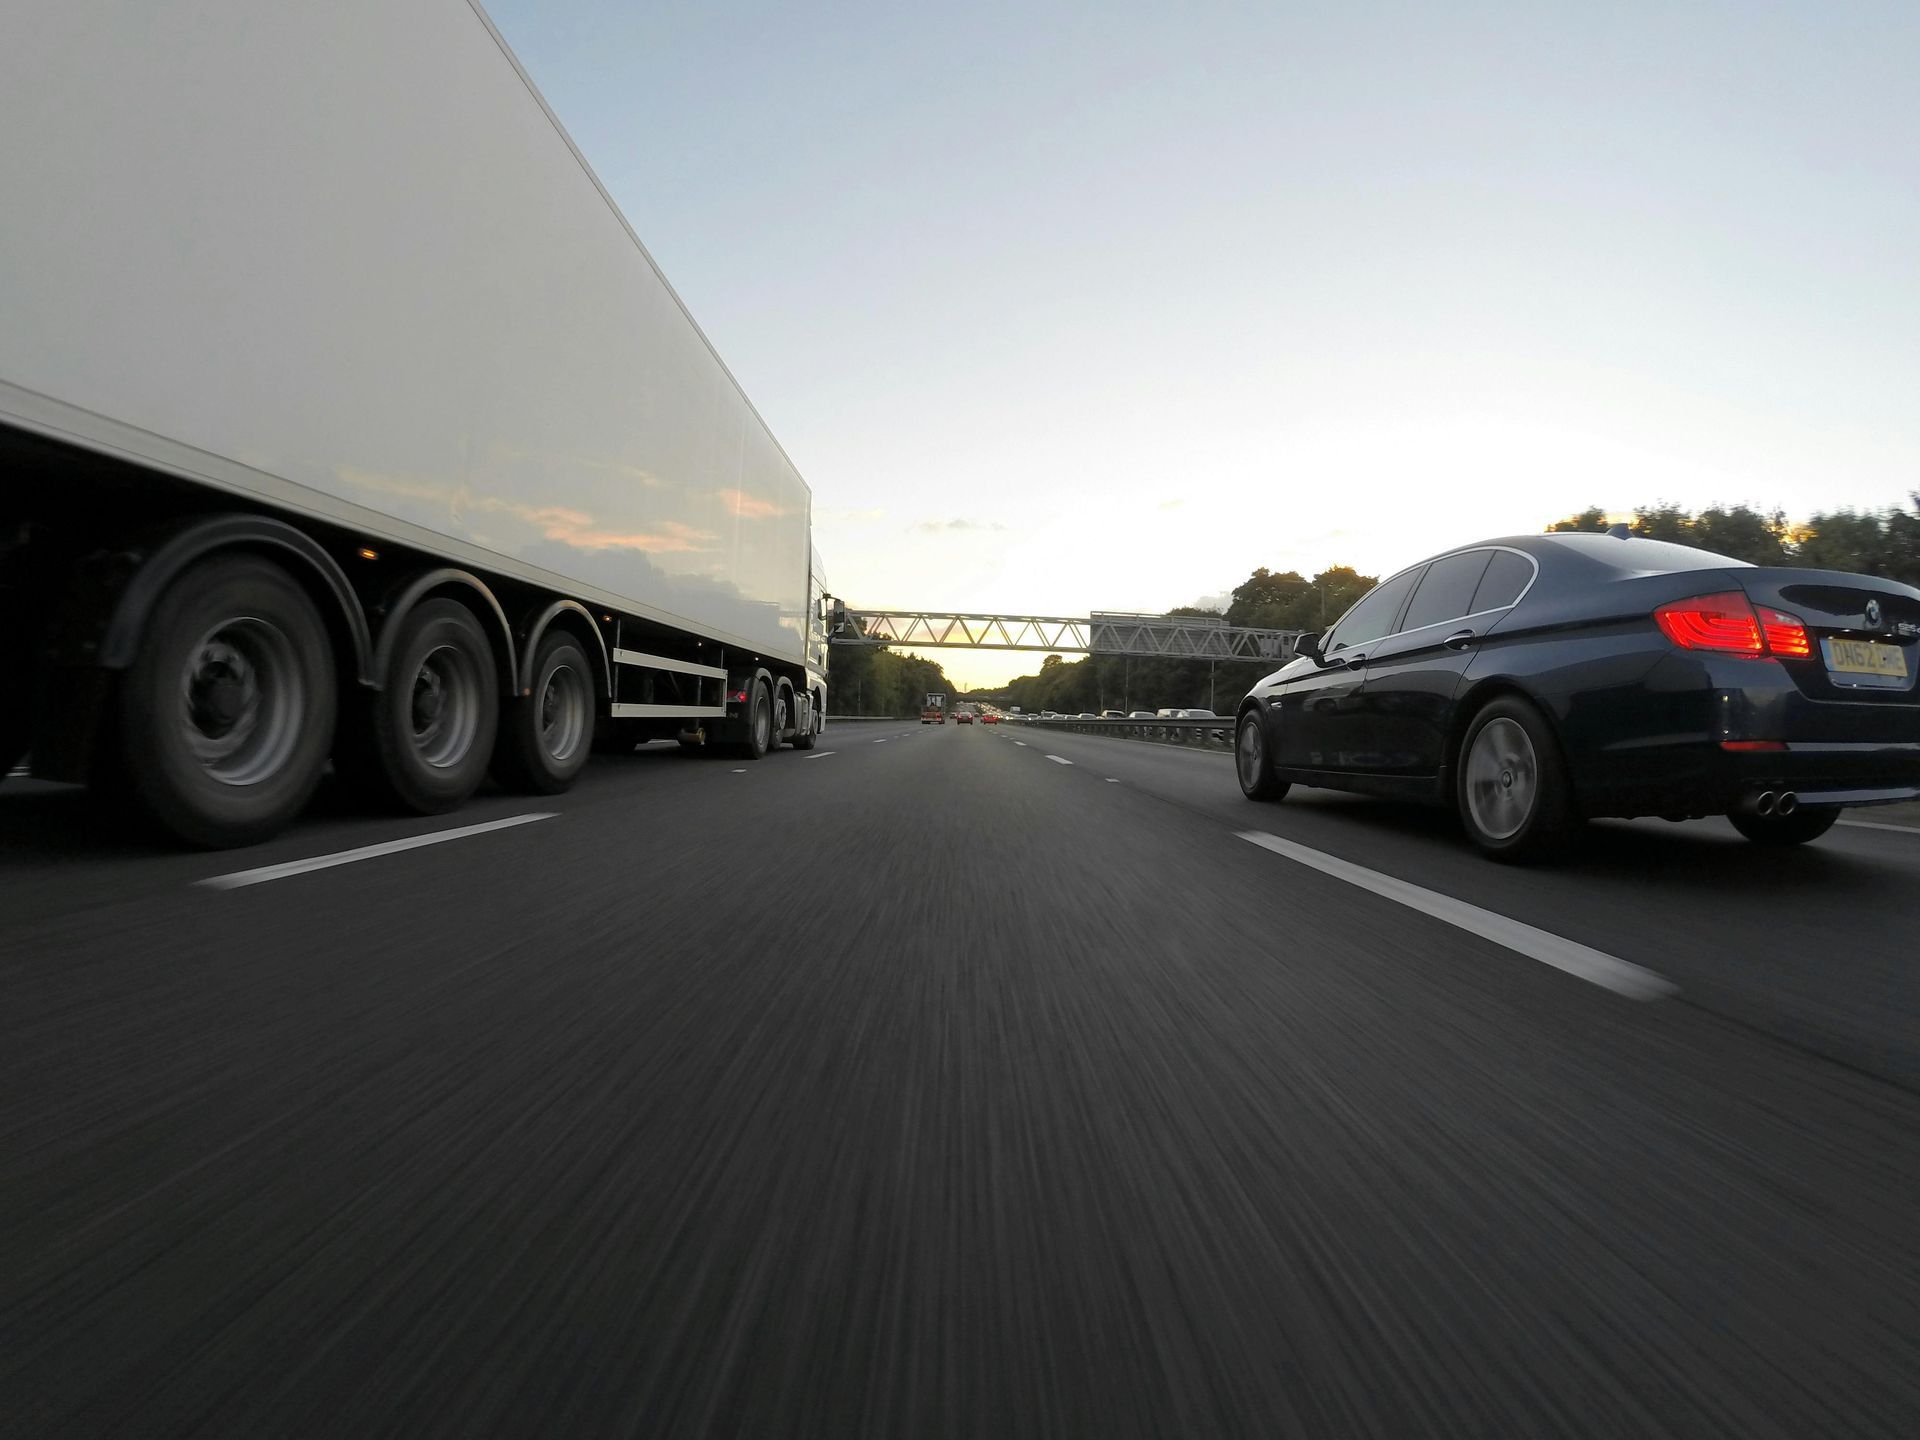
(554, 522)
(942, 527)
(749, 507)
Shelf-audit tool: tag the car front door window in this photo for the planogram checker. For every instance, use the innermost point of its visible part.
(1373, 617)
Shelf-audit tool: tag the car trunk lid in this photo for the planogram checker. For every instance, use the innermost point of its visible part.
(1864, 632)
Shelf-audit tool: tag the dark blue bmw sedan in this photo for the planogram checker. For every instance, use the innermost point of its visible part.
(1535, 682)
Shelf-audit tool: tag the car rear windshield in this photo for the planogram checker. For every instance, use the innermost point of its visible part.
(1644, 557)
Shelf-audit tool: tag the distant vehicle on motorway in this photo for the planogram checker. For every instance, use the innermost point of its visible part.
(1536, 682)
(1113, 714)
(1195, 714)
(1086, 715)
(1142, 715)
(990, 718)
(963, 717)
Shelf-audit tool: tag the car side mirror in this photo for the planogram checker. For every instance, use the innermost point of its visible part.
(1309, 646)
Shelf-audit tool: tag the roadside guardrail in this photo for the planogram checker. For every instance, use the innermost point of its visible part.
(1215, 734)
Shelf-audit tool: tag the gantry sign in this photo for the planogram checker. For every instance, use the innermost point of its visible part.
(1174, 637)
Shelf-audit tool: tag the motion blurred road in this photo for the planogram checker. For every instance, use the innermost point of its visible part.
(953, 1081)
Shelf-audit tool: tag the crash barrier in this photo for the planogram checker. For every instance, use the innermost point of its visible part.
(1215, 734)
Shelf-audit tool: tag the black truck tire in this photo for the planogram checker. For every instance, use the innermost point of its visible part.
(226, 715)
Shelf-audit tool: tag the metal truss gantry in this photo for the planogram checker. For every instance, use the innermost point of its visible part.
(1173, 637)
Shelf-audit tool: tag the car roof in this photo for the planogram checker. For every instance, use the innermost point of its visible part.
(1632, 555)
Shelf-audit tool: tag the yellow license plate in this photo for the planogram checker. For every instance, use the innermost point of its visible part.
(1865, 657)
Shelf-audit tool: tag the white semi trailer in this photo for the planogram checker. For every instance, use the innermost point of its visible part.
(342, 415)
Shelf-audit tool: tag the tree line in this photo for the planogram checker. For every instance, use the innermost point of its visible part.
(866, 680)
(1866, 542)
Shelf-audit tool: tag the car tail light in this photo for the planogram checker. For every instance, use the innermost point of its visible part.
(1786, 636)
(739, 697)
(1723, 622)
(1742, 746)
(1729, 623)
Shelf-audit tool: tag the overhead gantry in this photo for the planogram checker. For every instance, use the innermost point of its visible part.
(1173, 637)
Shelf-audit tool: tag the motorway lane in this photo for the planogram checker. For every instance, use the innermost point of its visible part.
(928, 1087)
(1814, 945)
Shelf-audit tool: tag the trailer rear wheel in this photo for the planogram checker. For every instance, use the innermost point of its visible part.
(434, 721)
(226, 716)
(546, 736)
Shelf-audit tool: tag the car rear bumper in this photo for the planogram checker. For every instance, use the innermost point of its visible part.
(1703, 735)
(1704, 778)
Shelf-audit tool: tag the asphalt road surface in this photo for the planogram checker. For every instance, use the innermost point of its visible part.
(969, 1081)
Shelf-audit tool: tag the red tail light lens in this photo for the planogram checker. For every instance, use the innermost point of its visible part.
(1729, 623)
(1724, 622)
(1786, 636)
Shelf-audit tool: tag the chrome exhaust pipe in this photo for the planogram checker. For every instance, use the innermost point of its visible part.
(1762, 804)
(1787, 803)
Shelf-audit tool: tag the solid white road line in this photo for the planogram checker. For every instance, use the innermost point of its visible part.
(822, 754)
(366, 852)
(1059, 759)
(1879, 825)
(1620, 976)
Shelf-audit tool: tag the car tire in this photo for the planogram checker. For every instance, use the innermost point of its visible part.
(1808, 822)
(1253, 760)
(546, 736)
(227, 713)
(1511, 786)
(432, 725)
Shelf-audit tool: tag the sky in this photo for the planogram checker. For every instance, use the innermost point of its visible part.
(1073, 307)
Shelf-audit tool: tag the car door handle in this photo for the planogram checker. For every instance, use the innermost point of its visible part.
(1459, 640)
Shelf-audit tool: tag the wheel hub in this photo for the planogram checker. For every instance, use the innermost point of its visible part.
(240, 692)
(1502, 779)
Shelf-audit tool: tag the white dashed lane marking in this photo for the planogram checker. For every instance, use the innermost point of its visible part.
(1059, 759)
(1620, 976)
(264, 873)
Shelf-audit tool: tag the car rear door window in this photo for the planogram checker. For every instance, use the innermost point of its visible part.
(1447, 591)
(1507, 575)
(1373, 616)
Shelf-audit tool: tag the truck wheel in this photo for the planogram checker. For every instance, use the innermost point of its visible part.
(434, 721)
(227, 713)
(807, 741)
(545, 737)
(759, 724)
(1809, 822)
(1513, 793)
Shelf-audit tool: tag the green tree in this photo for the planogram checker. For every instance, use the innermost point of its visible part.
(1743, 533)
(1591, 521)
(1664, 522)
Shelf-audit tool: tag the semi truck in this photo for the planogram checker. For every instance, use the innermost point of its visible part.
(345, 421)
